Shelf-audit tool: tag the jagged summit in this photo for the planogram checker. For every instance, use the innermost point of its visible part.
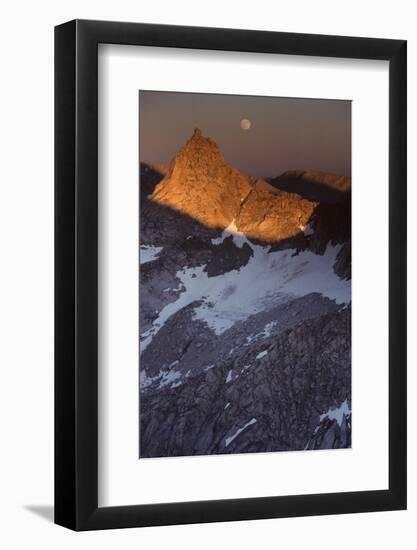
(199, 137)
(199, 134)
(198, 153)
(202, 185)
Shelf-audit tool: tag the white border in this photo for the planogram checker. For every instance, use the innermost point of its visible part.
(123, 479)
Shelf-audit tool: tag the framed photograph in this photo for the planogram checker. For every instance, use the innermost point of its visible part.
(230, 252)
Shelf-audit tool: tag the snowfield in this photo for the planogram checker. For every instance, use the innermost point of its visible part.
(267, 279)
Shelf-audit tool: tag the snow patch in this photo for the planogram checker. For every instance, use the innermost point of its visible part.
(218, 240)
(229, 376)
(145, 380)
(337, 413)
(227, 405)
(265, 333)
(170, 378)
(188, 276)
(239, 238)
(262, 354)
(308, 230)
(228, 440)
(148, 253)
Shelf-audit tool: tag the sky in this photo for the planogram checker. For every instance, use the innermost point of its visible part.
(285, 133)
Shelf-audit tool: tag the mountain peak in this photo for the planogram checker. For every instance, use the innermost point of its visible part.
(203, 186)
(199, 144)
(200, 160)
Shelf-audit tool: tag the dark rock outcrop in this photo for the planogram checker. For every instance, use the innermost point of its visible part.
(280, 386)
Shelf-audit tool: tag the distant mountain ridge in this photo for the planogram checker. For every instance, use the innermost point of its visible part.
(315, 186)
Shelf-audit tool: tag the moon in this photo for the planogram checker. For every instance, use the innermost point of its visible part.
(245, 124)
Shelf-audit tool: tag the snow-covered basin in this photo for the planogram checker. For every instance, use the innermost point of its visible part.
(267, 279)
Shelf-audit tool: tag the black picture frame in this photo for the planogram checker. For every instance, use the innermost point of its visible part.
(76, 272)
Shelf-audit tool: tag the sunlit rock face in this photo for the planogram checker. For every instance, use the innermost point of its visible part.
(201, 184)
(245, 337)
